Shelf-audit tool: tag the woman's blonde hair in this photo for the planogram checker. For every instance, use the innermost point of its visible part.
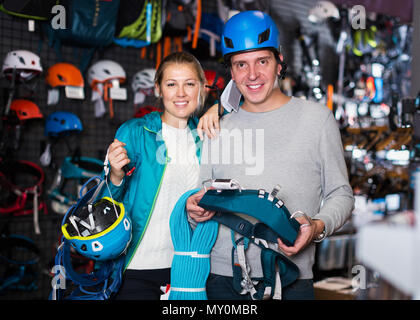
(183, 58)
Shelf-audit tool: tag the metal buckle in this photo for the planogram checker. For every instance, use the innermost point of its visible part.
(222, 184)
(305, 216)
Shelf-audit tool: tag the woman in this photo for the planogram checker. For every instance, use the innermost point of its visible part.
(164, 149)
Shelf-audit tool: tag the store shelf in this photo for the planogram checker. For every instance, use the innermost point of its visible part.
(393, 251)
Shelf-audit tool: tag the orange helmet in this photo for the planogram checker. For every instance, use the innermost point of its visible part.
(64, 74)
(25, 109)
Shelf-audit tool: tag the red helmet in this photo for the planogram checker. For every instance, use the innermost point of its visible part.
(25, 109)
(211, 76)
(142, 111)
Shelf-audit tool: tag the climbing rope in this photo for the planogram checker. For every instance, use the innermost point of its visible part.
(191, 262)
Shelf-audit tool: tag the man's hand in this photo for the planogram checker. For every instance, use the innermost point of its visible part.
(197, 213)
(307, 233)
(209, 123)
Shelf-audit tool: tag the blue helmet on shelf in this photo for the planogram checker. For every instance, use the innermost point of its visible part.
(61, 123)
(248, 31)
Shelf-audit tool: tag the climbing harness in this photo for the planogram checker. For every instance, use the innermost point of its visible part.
(15, 197)
(228, 198)
(191, 263)
(101, 284)
(75, 170)
(19, 256)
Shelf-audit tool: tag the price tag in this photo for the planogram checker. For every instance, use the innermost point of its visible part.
(53, 96)
(118, 93)
(31, 25)
(74, 92)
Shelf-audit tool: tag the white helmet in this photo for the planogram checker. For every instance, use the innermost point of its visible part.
(26, 63)
(144, 79)
(105, 70)
(322, 11)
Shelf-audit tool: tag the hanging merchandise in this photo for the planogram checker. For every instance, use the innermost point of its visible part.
(99, 229)
(227, 8)
(139, 23)
(310, 78)
(214, 87)
(20, 257)
(143, 110)
(19, 67)
(18, 181)
(90, 25)
(143, 84)
(105, 77)
(69, 77)
(21, 111)
(29, 9)
(402, 9)
(68, 180)
(210, 35)
(59, 125)
(322, 11)
(62, 123)
(339, 25)
(214, 79)
(364, 40)
(182, 24)
(183, 18)
(25, 109)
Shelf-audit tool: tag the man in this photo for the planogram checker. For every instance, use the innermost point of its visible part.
(301, 151)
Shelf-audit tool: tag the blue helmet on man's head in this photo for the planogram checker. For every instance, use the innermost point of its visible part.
(248, 31)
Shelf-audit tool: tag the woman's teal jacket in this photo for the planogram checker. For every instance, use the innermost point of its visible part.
(147, 152)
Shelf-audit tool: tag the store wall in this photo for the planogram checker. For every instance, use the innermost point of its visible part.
(99, 132)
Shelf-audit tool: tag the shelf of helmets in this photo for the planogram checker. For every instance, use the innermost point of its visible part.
(381, 157)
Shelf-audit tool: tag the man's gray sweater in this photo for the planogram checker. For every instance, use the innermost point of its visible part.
(296, 146)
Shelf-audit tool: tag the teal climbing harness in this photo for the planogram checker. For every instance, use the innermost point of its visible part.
(193, 247)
